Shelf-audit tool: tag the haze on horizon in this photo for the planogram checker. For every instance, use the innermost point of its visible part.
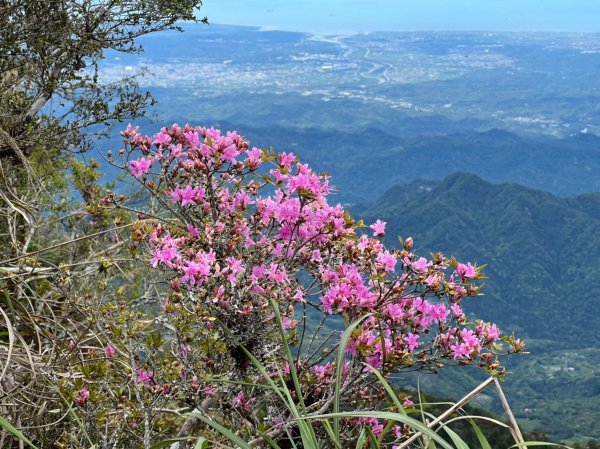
(350, 16)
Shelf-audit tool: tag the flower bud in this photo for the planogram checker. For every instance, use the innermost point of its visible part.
(175, 284)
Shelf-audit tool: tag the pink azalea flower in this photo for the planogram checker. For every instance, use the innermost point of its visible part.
(288, 323)
(188, 195)
(241, 200)
(457, 311)
(289, 211)
(234, 265)
(378, 227)
(387, 261)
(82, 397)
(461, 350)
(363, 242)
(254, 158)
(164, 254)
(394, 311)
(492, 334)
(421, 265)
(130, 131)
(242, 403)
(229, 153)
(193, 138)
(466, 271)
(286, 160)
(140, 167)
(177, 151)
(193, 231)
(109, 350)
(144, 377)
(412, 341)
(439, 312)
(433, 280)
(469, 338)
(194, 273)
(258, 272)
(162, 138)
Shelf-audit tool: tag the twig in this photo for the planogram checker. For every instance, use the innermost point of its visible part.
(58, 245)
(482, 386)
(517, 435)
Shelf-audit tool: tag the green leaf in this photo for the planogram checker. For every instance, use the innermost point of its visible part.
(307, 433)
(10, 428)
(202, 443)
(373, 443)
(166, 443)
(332, 436)
(388, 388)
(263, 372)
(348, 218)
(269, 440)
(223, 431)
(384, 432)
(288, 353)
(362, 437)
(338, 371)
(457, 440)
(480, 436)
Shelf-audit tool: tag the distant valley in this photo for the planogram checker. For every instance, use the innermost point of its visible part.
(526, 82)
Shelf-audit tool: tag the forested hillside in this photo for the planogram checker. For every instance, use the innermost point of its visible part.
(543, 281)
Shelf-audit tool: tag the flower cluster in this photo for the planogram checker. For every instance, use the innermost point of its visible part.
(248, 228)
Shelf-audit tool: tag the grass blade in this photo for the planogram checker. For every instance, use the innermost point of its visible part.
(332, 436)
(338, 371)
(4, 424)
(372, 438)
(288, 353)
(269, 440)
(413, 423)
(388, 388)
(457, 440)
(307, 433)
(223, 431)
(362, 437)
(480, 436)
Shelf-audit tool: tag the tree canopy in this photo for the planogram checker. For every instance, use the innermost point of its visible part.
(51, 50)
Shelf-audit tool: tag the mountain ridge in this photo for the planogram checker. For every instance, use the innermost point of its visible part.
(496, 155)
(536, 242)
(543, 285)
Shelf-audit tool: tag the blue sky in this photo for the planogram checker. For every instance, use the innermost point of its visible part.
(370, 15)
